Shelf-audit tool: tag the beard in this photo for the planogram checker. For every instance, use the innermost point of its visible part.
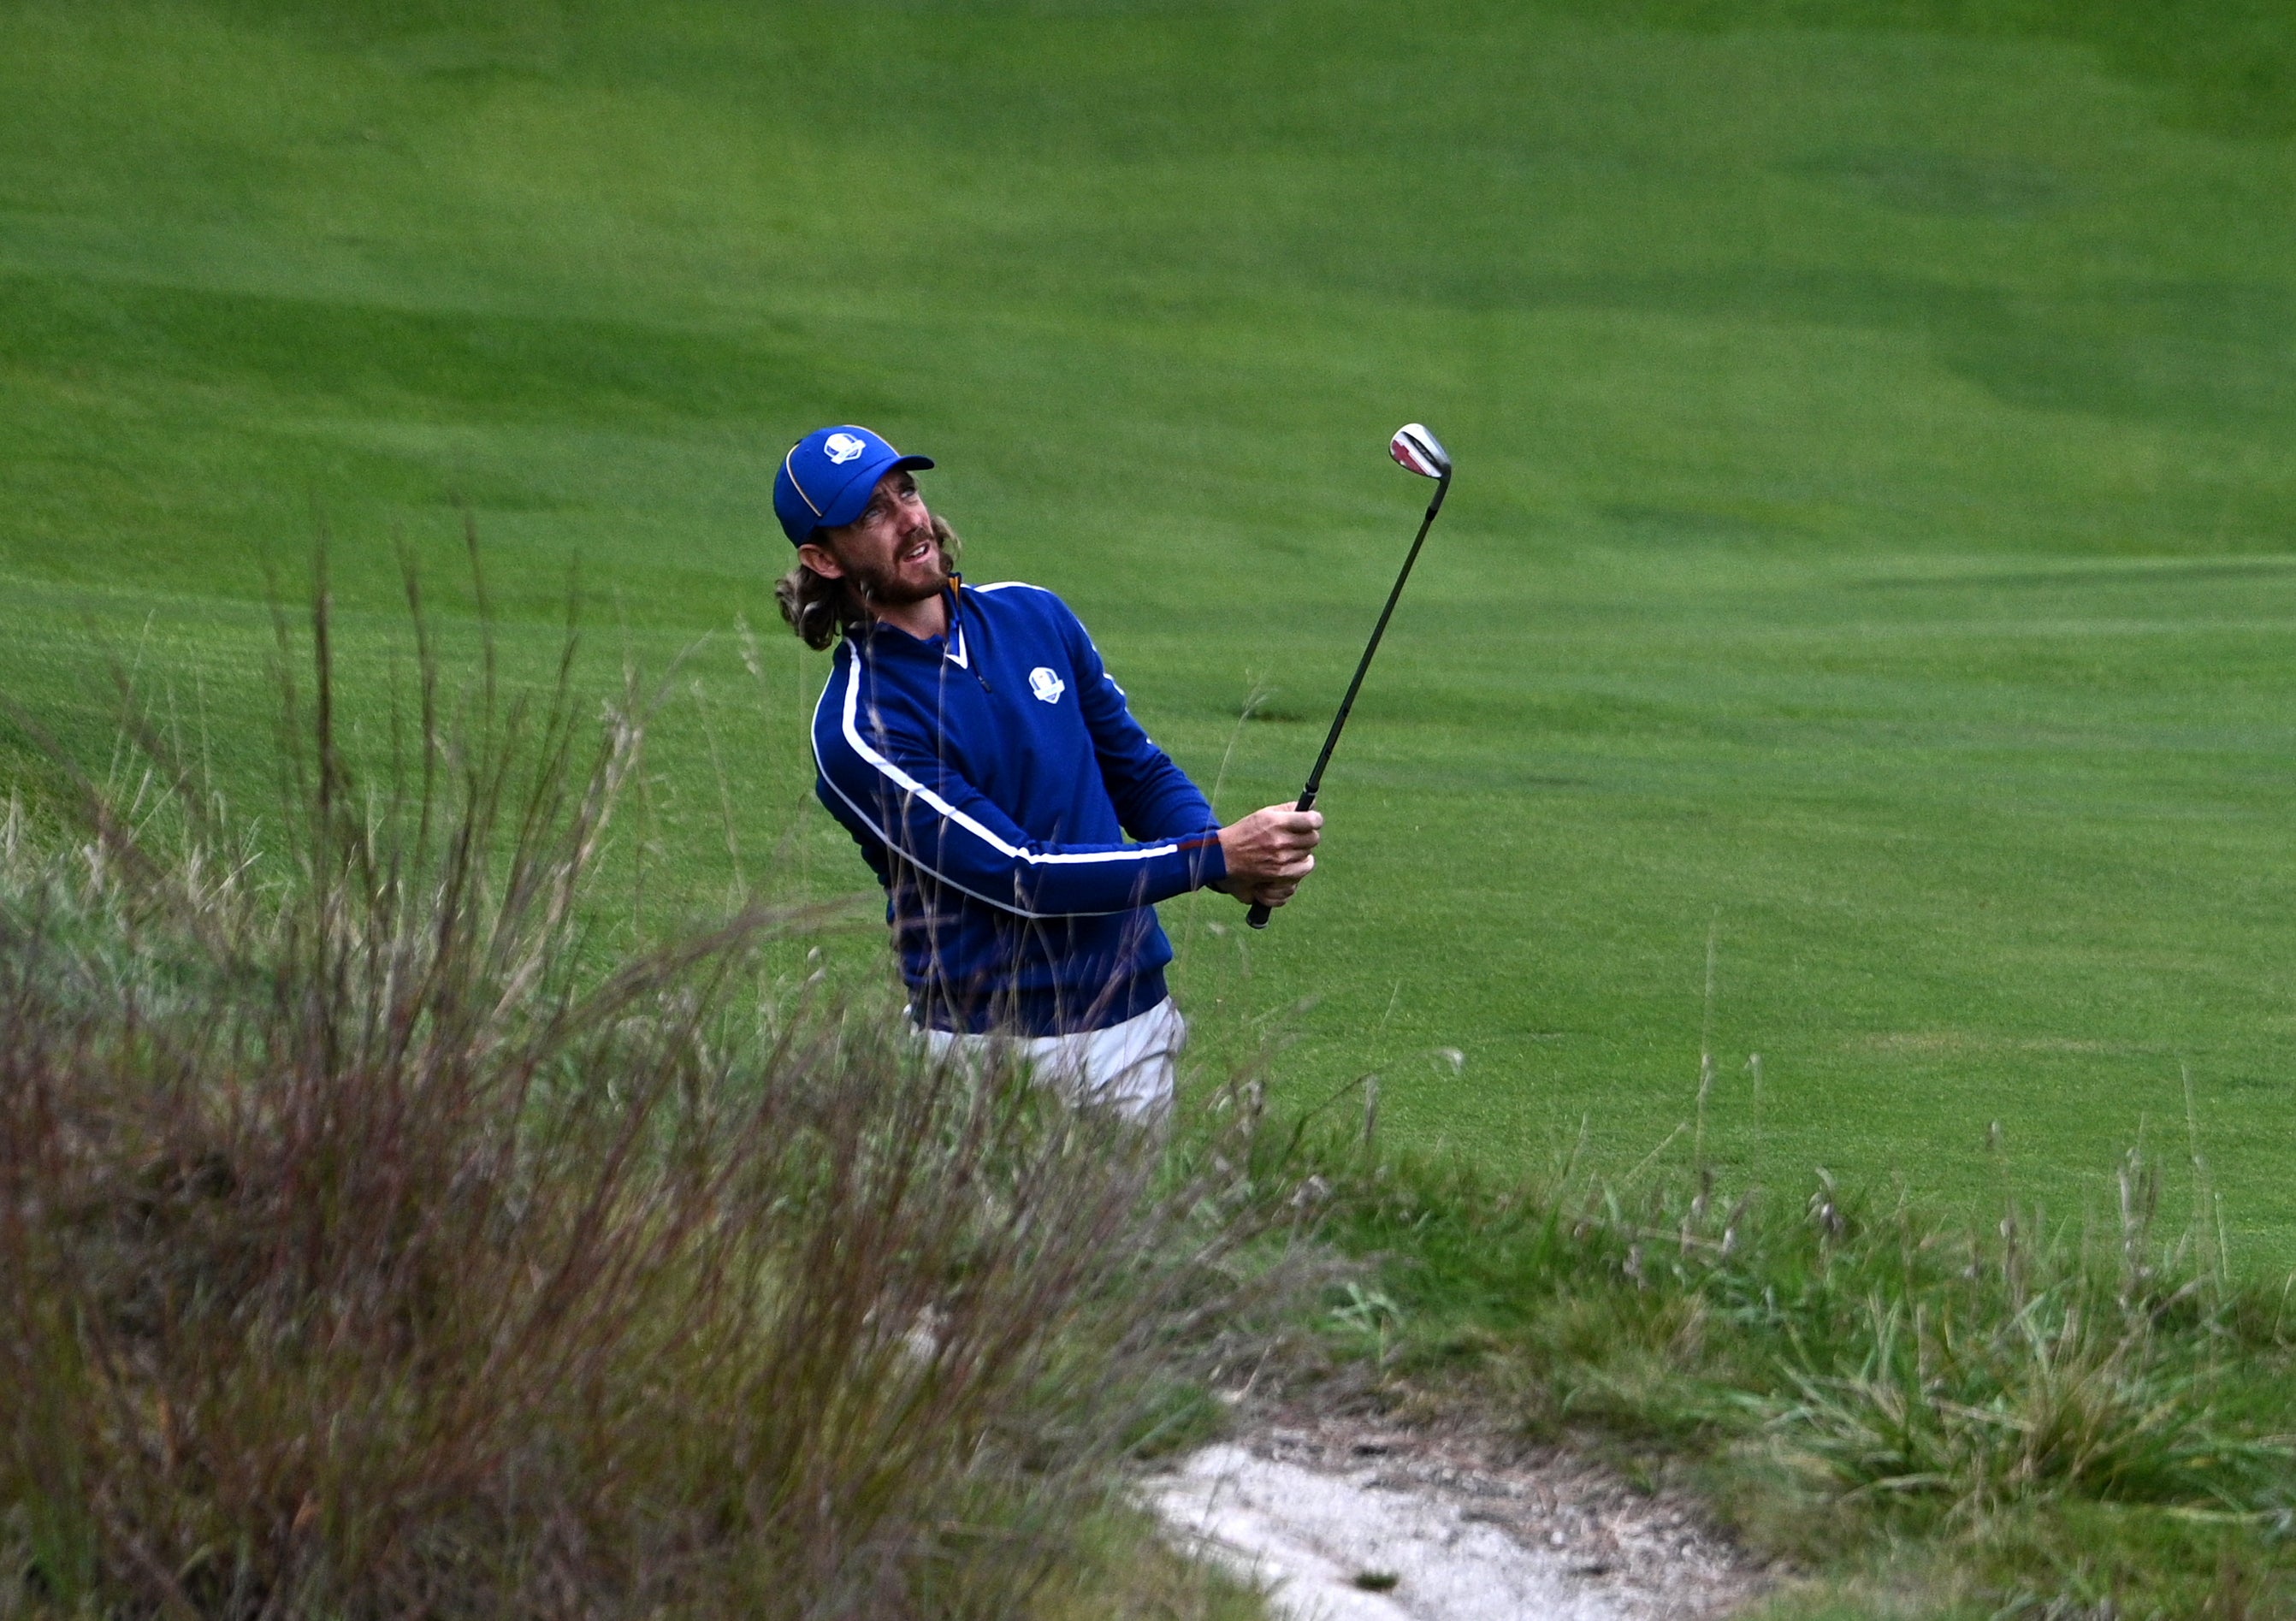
(896, 584)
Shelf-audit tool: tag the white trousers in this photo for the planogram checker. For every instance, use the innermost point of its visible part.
(1129, 1067)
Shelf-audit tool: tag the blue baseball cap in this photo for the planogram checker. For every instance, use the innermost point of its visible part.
(828, 477)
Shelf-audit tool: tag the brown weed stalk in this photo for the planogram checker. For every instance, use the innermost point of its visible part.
(372, 1241)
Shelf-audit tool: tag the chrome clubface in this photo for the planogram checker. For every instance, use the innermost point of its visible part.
(1419, 450)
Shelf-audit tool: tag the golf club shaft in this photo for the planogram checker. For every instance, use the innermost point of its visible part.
(1257, 916)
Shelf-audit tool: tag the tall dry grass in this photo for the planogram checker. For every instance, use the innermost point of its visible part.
(374, 1241)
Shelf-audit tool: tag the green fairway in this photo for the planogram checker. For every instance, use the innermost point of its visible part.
(1872, 547)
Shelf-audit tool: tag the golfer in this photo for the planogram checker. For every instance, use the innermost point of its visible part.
(1022, 824)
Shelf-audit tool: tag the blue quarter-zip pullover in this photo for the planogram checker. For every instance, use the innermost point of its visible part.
(990, 776)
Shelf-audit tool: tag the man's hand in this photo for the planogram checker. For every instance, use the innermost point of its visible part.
(1268, 853)
(1270, 895)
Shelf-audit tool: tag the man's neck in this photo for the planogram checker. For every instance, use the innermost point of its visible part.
(923, 620)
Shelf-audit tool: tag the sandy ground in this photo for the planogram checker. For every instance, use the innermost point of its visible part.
(1345, 1523)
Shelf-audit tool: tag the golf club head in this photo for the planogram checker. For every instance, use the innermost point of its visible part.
(1420, 451)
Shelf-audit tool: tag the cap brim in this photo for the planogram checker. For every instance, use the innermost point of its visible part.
(848, 503)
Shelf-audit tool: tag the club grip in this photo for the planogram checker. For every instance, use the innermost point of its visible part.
(1257, 916)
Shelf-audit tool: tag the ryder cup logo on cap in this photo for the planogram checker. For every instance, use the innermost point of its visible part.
(826, 478)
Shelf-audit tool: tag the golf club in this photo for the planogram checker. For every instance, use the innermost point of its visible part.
(1419, 451)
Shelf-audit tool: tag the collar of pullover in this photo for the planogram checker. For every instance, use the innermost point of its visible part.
(881, 637)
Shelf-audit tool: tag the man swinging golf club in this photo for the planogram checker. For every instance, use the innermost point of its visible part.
(1022, 824)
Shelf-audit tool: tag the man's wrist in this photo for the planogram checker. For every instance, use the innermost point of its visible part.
(1213, 873)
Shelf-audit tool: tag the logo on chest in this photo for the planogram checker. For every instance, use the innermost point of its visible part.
(1047, 686)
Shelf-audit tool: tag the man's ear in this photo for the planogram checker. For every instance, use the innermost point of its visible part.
(821, 560)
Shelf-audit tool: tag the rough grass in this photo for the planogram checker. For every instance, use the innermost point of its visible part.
(1917, 1414)
(371, 1242)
